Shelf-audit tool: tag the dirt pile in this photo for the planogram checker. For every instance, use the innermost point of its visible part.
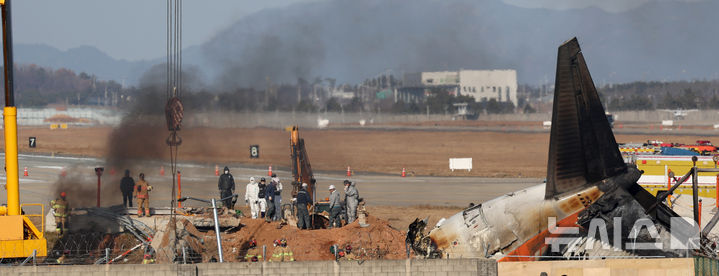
(377, 241)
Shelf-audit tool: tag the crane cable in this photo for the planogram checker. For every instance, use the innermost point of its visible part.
(173, 107)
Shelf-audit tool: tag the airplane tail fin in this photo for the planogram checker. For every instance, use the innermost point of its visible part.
(582, 148)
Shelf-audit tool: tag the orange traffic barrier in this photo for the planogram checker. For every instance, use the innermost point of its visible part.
(179, 190)
(669, 187)
(349, 172)
(404, 172)
(217, 170)
(162, 170)
(269, 171)
(25, 173)
(699, 222)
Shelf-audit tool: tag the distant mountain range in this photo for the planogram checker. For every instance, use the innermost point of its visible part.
(354, 40)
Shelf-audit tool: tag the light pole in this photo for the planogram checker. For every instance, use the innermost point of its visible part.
(214, 215)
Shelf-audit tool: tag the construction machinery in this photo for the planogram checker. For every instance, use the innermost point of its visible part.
(19, 237)
(302, 173)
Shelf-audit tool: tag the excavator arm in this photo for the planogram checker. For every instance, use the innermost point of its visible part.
(301, 168)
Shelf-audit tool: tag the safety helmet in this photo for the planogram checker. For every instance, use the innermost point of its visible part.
(332, 187)
(277, 243)
(348, 249)
(253, 243)
(341, 253)
(62, 194)
(262, 179)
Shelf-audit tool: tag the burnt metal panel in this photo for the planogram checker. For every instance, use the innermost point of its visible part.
(582, 148)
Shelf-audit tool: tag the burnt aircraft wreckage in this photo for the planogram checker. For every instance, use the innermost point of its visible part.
(590, 206)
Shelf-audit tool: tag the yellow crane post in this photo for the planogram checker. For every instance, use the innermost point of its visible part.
(18, 235)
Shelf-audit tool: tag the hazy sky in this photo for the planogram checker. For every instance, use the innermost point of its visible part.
(135, 29)
(127, 29)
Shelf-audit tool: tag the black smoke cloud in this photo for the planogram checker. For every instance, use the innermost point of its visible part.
(354, 40)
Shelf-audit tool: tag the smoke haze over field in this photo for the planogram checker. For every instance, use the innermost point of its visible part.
(355, 40)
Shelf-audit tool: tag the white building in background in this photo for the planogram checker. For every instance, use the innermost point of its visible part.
(482, 85)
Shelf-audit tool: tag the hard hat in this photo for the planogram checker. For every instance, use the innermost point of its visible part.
(304, 185)
(252, 179)
(62, 194)
(348, 249)
(253, 243)
(332, 187)
(262, 179)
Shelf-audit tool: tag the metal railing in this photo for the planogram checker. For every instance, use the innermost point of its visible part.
(41, 215)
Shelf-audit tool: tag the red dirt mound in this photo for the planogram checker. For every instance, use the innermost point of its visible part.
(377, 241)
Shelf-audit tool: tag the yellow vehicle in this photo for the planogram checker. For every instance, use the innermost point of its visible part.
(19, 237)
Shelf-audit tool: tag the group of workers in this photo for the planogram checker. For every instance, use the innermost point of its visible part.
(265, 201)
(140, 190)
(263, 198)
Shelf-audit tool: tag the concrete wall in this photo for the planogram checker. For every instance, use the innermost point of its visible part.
(376, 268)
(654, 267)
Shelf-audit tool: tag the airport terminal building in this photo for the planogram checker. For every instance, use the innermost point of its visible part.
(483, 85)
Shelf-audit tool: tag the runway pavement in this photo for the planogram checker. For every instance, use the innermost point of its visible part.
(199, 180)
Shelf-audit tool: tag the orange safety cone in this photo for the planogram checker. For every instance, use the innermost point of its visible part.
(25, 173)
(349, 172)
(404, 172)
(162, 170)
(269, 171)
(217, 170)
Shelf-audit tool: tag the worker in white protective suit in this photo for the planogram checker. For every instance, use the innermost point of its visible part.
(251, 197)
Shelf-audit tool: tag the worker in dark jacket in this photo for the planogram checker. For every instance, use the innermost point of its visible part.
(226, 184)
(126, 186)
(270, 197)
(261, 195)
(303, 216)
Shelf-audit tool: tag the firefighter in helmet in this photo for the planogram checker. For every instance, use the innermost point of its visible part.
(60, 209)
